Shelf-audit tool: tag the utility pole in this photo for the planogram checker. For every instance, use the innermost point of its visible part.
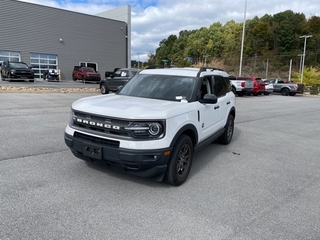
(304, 53)
(300, 65)
(242, 41)
(267, 68)
(289, 79)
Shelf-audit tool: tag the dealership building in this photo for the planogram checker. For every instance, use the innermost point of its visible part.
(51, 38)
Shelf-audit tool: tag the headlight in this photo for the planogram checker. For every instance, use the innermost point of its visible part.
(72, 117)
(13, 71)
(146, 130)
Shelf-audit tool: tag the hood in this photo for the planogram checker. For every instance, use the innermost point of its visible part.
(120, 106)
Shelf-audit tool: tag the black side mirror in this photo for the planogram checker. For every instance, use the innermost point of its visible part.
(209, 98)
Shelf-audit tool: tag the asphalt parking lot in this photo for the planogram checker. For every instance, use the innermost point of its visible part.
(264, 185)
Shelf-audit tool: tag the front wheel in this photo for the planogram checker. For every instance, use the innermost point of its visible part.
(104, 89)
(74, 77)
(180, 162)
(226, 137)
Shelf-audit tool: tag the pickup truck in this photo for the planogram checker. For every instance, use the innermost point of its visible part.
(285, 88)
(115, 79)
(241, 86)
(85, 74)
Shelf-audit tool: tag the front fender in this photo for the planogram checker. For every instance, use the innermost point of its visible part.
(189, 130)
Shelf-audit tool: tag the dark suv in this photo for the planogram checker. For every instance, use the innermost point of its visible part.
(116, 79)
(16, 70)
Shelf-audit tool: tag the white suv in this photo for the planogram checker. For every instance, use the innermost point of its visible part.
(155, 123)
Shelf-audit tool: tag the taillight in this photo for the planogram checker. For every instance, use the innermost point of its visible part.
(243, 84)
(296, 86)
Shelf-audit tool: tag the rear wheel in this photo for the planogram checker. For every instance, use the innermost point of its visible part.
(266, 93)
(226, 137)
(292, 93)
(104, 88)
(285, 92)
(240, 94)
(180, 162)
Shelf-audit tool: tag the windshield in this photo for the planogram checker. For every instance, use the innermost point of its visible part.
(88, 70)
(172, 88)
(18, 65)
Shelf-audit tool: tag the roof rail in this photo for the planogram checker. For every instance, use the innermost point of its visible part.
(204, 69)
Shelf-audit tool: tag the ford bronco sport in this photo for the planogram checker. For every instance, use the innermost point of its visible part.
(155, 123)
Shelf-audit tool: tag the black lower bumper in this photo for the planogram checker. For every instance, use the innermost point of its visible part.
(142, 163)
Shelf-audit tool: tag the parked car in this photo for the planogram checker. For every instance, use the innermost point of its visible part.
(85, 74)
(155, 123)
(16, 70)
(116, 79)
(286, 88)
(51, 75)
(241, 87)
(268, 86)
(258, 84)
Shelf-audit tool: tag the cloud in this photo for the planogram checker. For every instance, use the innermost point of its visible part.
(154, 20)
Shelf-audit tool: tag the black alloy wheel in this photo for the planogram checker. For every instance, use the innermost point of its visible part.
(180, 162)
(226, 137)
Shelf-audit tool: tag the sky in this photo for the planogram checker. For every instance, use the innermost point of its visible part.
(154, 20)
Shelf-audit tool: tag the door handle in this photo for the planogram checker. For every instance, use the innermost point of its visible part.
(216, 107)
(228, 103)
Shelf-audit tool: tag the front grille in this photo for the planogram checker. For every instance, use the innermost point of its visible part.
(23, 73)
(100, 124)
(97, 140)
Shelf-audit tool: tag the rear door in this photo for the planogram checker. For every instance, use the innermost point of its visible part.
(120, 78)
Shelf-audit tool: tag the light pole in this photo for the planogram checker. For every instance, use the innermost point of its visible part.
(138, 60)
(300, 55)
(242, 41)
(304, 53)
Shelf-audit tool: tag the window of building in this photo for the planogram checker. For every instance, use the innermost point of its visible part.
(9, 56)
(42, 62)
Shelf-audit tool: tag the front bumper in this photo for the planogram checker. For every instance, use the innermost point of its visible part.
(93, 78)
(142, 163)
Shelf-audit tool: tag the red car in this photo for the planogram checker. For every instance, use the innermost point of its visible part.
(258, 85)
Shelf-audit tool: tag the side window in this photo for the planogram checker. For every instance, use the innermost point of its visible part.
(124, 74)
(220, 87)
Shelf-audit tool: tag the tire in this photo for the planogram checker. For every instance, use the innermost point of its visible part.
(292, 94)
(83, 79)
(104, 89)
(266, 93)
(226, 137)
(285, 91)
(74, 77)
(240, 94)
(180, 162)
